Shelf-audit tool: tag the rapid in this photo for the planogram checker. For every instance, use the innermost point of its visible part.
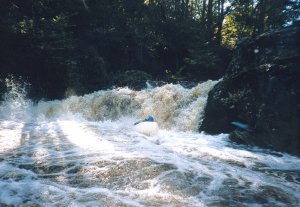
(83, 151)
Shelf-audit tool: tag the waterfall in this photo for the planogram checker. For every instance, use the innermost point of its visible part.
(173, 106)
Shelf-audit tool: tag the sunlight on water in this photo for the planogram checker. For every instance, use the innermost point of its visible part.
(82, 137)
(83, 151)
(10, 136)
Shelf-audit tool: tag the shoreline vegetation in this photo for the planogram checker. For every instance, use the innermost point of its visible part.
(63, 47)
(54, 49)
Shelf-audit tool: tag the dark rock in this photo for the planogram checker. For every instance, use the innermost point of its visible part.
(138, 80)
(241, 137)
(134, 79)
(261, 88)
(2, 89)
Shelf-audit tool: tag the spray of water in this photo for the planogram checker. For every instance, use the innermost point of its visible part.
(173, 106)
(83, 151)
(15, 105)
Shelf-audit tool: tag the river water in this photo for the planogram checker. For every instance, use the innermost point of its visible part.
(83, 151)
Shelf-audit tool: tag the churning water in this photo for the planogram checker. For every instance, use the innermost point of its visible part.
(83, 151)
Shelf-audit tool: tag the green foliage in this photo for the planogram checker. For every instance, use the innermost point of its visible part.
(61, 45)
(229, 32)
(251, 18)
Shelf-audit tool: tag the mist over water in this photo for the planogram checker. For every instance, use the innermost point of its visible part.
(83, 151)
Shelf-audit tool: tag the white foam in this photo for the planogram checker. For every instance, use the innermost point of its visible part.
(82, 137)
(10, 135)
(173, 106)
(147, 128)
(84, 151)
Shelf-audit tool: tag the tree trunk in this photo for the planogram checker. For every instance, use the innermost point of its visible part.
(220, 22)
(209, 22)
(203, 16)
(185, 5)
(261, 17)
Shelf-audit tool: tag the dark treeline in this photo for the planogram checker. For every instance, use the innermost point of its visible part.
(65, 46)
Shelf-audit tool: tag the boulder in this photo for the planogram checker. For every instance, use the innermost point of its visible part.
(134, 79)
(261, 88)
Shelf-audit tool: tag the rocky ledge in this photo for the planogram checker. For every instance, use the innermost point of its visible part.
(261, 92)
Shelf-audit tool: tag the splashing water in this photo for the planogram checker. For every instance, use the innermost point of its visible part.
(15, 104)
(173, 106)
(83, 151)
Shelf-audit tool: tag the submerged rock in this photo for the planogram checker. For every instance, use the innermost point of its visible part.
(261, 88)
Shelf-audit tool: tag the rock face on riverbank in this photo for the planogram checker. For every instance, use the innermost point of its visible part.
(261, 88)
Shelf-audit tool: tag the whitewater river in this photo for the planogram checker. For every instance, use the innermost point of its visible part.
(83, 151)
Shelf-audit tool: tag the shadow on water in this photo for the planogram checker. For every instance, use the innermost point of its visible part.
(238, 177)
(45, 168)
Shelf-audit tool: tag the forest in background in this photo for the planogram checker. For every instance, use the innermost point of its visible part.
(78, 46)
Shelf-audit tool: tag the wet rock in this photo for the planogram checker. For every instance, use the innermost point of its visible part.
(278, 195)
(137, 80)
(241, 137)
(261, 88)
(134, 79)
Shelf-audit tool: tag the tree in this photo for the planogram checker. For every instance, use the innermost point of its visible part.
(221, 16)
(61, 45)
